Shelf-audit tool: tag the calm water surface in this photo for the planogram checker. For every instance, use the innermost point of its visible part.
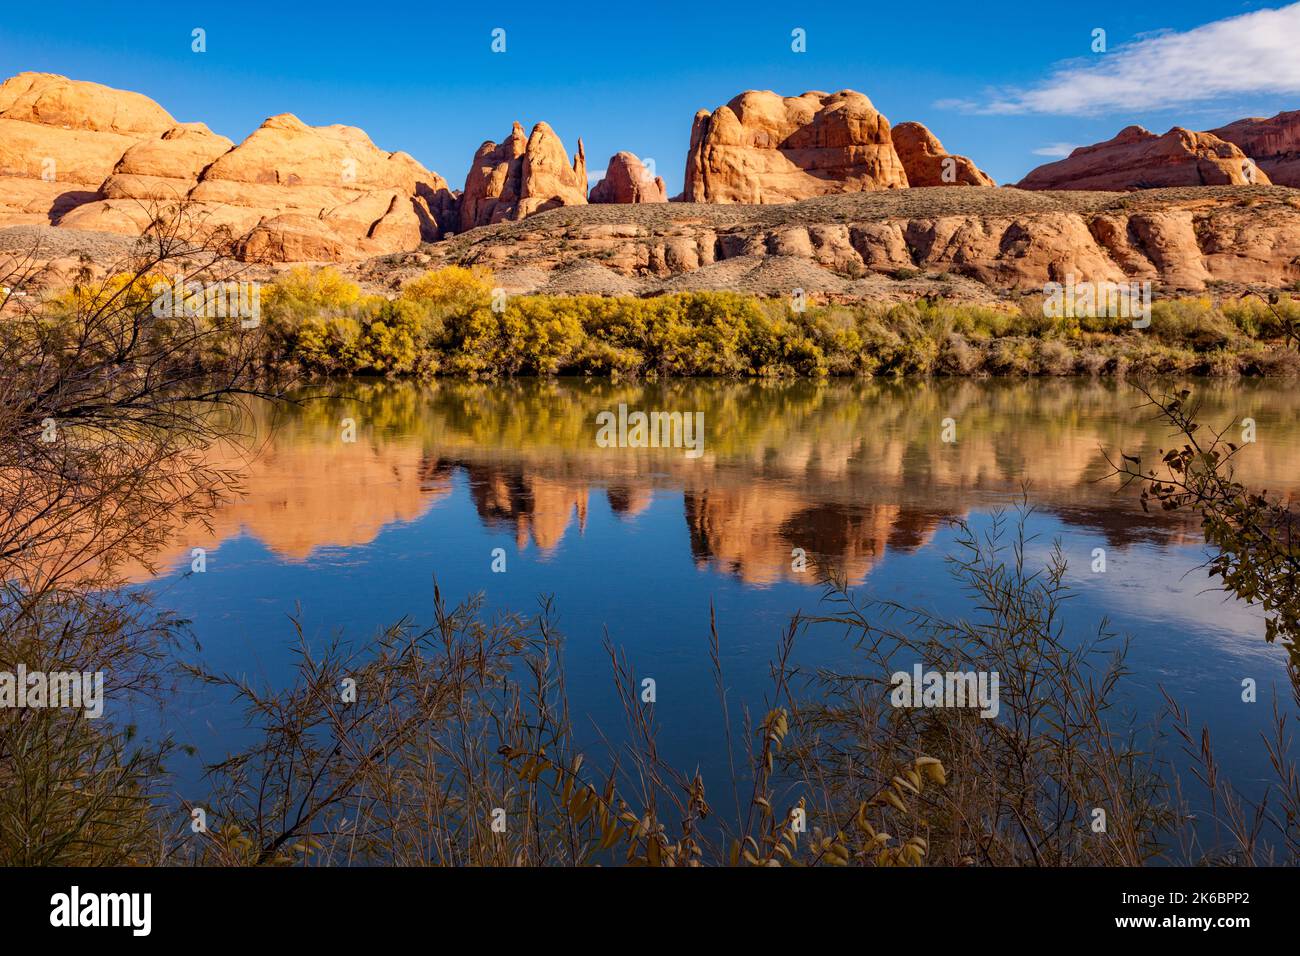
(638, 543)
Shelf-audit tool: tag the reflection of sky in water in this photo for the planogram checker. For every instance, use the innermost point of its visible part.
(643, 556)
(636, 578)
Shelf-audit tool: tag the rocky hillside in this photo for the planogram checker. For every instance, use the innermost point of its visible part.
(79, 155)
(967, 243)
(82, 156)
(815, 192)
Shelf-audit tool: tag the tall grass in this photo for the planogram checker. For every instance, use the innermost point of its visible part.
(460, 749)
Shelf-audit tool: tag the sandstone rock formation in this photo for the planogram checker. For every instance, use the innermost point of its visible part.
(1272, 143)
(56, 101)
(59, 140)
(150, 176)
(324, 192)
(1139, 159)
(290, 192)
(763, 148)
(628, 181)
(927, 163)
(168, 166)
(84, 156)
(898, 244)
(518, 177)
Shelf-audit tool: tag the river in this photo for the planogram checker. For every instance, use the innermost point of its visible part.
(861, 478)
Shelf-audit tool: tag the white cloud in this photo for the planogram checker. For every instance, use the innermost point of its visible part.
(1055, 149)
(1255, 53)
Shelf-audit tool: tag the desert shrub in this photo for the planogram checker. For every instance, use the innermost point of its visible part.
(304, 294)
(1054, 357)
(125, 307)
(956, 357)
(700, 333)
(121, 292)
(309, 319)
(531, 336)
(1092, 361)
(1262, 318)
(834, 330)
(1220, 363)
(983, 322)
(883, 344)
(391, 337)
(602, 358)
(326, 343)
(473, 344)
(378, 337)
(1012, 356)
(1192, 323)
(445, 297)
(540, 336)
(1282, 363)
(324, 321)
(1147, 357)
(778, 344)
(444, 322)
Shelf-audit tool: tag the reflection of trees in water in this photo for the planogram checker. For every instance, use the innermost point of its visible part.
(844, 470)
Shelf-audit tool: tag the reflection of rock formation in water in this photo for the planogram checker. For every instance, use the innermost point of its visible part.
(843, 470)
(336, 495)
(627, 502)
(752, 533)
(301, 497)
(532, 506)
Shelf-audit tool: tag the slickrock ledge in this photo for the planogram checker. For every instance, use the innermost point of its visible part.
(969, 243)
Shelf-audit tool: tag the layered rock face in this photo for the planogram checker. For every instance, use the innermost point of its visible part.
(518, 177)
(888, 245)
(323, 192)
(168, 167)
(152, 174)
(628, 181)
(927, 163)
(1272, 143)
(763, 148)
(84, 156)
(1139, 159)
(60, 139)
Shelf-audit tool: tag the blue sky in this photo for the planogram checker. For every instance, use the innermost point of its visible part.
(997, 82)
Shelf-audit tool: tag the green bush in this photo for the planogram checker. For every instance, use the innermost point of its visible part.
(447, 321)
